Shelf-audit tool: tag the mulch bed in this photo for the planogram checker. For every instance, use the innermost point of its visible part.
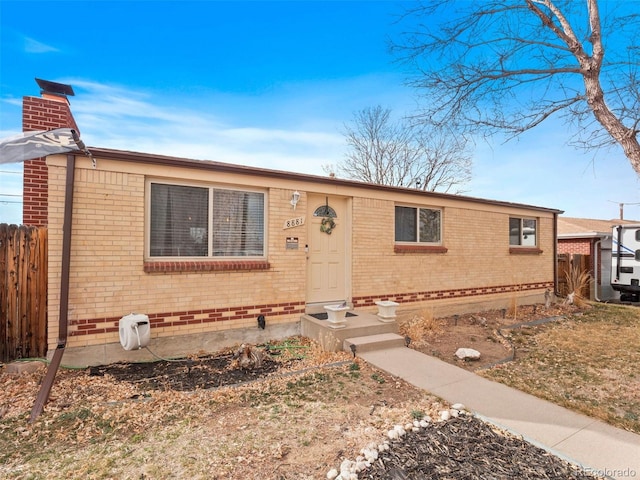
(189, 374)
(466, 448)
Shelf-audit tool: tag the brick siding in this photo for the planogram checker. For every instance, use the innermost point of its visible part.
(475, 255)
(40, 114)
(112, 278)
(581, 246)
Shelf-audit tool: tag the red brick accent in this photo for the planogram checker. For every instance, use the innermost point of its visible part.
(195, 317)
(370, 300)
(420, 249)
(188, 317)
(205, 266)
(40, 114)
(525, 251)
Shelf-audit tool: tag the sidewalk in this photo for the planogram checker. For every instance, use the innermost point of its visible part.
(594, 445)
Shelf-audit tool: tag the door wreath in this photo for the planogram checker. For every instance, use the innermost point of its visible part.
(327, 225)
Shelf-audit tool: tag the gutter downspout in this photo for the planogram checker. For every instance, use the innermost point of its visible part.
(597, 254)
(47, 383)
(556, 290)
(619, 252)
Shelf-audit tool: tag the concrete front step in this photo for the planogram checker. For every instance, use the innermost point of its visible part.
(361, 324)
(369, 343)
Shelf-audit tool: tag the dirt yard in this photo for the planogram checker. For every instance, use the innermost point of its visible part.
(487, 332)
(300, 415)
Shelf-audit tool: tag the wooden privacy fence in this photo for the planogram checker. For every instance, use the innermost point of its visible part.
(23, 292)
(580, 263)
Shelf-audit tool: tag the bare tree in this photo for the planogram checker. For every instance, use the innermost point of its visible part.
(508, 65)
(389, 152)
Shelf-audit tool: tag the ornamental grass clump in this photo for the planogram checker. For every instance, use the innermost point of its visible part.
(421, 326)
(578, 281)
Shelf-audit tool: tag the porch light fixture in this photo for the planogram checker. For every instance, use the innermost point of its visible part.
(295, 198)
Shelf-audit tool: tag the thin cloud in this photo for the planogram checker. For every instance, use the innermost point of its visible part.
(31, 45)
(128, 119)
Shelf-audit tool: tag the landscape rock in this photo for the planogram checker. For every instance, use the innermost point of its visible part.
(467, 354)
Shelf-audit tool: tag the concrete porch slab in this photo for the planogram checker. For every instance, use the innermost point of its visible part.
(332, 340)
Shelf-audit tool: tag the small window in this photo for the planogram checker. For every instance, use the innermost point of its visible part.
(418, 225)
(637, 235)
(523, 232)
(325, 211)
(193, 221)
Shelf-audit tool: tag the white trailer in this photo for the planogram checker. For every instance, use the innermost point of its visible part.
(625, 261)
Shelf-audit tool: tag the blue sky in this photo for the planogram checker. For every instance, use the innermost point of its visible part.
(268, 84)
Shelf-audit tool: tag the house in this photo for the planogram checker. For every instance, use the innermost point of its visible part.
(204, 248)
(591, 239)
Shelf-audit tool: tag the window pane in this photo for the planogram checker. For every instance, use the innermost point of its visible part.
(179, 221)
(429, 225)
(529, 232)
(514, 231)
(238, 223)
(406, 225)
(325, 211)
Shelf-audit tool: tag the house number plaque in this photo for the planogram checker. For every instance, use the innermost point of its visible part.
(293, 222)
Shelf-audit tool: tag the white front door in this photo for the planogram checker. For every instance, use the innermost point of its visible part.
(326, 258)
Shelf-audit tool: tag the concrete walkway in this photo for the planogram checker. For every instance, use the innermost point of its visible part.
(595, 446)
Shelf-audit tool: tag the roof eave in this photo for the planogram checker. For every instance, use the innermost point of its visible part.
(584, 235)
(147, 158)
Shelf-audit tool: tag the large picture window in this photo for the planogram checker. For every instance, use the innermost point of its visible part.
(191, 221)
(418, 225)
(523, 232)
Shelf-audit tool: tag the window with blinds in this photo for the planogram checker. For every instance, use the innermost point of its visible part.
(190, 221)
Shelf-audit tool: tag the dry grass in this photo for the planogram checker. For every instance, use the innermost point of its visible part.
(292, 427)
(586, 362)
(512, 311)
(296, 427)
(421, 327)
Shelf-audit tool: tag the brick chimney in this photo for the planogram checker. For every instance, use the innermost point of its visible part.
(48, 112)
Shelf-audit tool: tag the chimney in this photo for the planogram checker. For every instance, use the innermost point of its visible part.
(48, 112)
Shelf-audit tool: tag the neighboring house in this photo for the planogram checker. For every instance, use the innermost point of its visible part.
(204, 248)
(592, 238)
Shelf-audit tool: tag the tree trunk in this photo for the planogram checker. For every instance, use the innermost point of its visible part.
(625, 136)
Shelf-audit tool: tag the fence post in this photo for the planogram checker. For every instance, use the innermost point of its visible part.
(4, 289)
